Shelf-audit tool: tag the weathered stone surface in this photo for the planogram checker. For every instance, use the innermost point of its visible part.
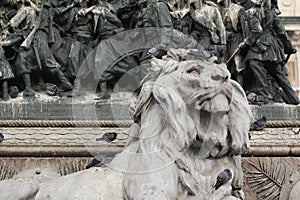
(38, 174)
(94, 176)
(55, 108)
(282, 112)
(94, 183)
(18, 189)
(275, 142)
(82, 142)
(289, 7)
(59, 141)
(29, 167)
(113, 109)
(294, 194)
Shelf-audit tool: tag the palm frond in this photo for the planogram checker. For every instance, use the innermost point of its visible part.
(6, 171)
(72, 167)
(266, 177)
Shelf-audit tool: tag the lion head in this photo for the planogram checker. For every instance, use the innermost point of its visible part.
(195, 93)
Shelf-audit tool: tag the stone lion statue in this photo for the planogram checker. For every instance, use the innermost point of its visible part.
(191, 123)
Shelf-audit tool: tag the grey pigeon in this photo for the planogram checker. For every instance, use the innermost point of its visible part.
(1, 137)
(13, 91)
(215, 50)
(98, 161)
(259, 124)
(279, 94)
(154, 52)
(251, 97)
(108, 137)
(51, 89)
(223, 178)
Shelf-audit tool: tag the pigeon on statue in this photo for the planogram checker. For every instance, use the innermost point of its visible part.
(251, 97)
(13, 91)
(99, 160)
(108, 137)
(1, 137)
(259, 124)
(223, 178)
(51, 89)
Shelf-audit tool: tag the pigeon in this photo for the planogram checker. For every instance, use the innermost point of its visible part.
(215, 50)
(177, 24)
(108, 137)
(1, 137)
(251, 97)
(154, 52)
(259, 124)
(99, 160)
(223, 178)
(281, 95)
(278, 96)
(13, 91)
(51, 89)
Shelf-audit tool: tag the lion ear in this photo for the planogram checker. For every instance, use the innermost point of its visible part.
(181, 128)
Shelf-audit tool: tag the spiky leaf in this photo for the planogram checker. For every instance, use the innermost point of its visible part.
(266, 177)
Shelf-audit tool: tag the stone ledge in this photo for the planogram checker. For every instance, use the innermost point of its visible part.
(59, 142)
(115, 109)
(64, 109)
(287, 20)
(274, 112)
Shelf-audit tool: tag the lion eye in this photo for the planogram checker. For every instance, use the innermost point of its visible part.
(193, 70)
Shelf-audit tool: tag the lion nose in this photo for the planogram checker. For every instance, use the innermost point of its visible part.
(216, 77)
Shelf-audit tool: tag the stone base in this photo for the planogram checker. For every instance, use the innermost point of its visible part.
(78, 142)
(44, 107)
(117, 108)
(59, 142)
(66, 150)
(265, 178)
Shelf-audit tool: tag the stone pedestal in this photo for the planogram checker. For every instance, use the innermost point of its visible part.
(65, 150)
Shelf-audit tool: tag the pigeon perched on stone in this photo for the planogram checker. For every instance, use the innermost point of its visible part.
(154, 52)
(98, 161)
(1, 137)
(177, 24)
(259, 124)
(279, 94)
(223, 178)
(251, 97)
(215, 50)
(108, 137)
(13, 91)
(51, 89)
